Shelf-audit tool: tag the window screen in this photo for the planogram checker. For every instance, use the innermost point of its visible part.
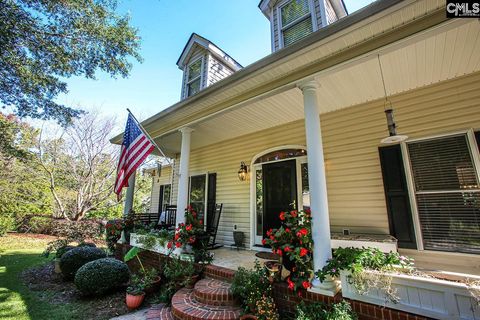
(194, 77)
(197, 195)
(447, 193)
(296, 21)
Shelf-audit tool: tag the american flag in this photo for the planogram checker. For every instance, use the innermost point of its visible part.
(136, 147)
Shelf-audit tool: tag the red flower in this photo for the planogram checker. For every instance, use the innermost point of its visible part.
(303, 252)
(306, 284)
(264, 241)
(269, 232)
(287, 249)
(279, 252)
(293, 213)
(191, 240)
(189, 227)
(287, 230)
(308, 211)
(177, 235)
(169, 245)
(282, 215)
(178, 244)
(291, 284)
(302, 232)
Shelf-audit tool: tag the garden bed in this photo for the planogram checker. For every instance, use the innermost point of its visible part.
(422, 295)
(53, 289)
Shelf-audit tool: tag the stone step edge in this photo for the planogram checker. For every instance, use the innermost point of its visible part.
(211, 296)
(185, 307)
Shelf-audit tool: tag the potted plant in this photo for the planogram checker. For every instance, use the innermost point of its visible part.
(150, 278)
(135, 292)
(274, 269)
(181, 273)
(293, 243)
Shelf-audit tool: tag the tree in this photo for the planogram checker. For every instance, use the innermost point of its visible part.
(80, 163)
(43, 41)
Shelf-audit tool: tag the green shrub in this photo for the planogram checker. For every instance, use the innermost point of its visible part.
(62, 250)
(101, 276)
(72, 260)
(320, 311)
(7, 223)
(40, 224)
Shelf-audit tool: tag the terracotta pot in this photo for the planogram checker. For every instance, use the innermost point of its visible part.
(193, 280)
(248, 317)
(133, 302)
(154, 286)
(274, 269)
(57, 266)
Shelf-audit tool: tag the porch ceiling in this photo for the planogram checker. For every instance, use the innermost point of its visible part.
(442, 53)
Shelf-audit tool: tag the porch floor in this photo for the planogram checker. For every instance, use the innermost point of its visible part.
(232, 259)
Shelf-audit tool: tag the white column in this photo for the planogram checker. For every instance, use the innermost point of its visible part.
(182, 198)
(322, 250)
(128, 204)
(129, 195)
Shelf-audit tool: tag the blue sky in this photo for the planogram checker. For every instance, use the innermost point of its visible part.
(238, 27)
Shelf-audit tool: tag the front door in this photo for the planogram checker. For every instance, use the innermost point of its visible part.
(279, 191)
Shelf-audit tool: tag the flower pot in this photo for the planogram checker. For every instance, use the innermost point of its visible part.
(154, 286)
(248, 317)
(238, 237)
(274, 269)
(134, 301)
(57, 266)
(193, 280)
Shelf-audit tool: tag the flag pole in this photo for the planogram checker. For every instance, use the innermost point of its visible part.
(148, 136)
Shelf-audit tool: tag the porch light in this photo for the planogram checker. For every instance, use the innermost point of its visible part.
(243, 171)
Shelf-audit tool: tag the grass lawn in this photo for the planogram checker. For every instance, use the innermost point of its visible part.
(17, 301)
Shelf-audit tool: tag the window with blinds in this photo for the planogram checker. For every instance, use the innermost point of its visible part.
(447, 193)
(296, 21)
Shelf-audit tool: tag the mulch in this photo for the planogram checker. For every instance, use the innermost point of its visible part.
(52, 288)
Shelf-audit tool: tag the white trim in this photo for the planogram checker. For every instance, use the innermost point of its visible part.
(417, 228)
(272, 31)
(280, 27)
(323, 13)
(253, 167)
(474, 152)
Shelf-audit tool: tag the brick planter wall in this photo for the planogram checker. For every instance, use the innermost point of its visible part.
(285, 299)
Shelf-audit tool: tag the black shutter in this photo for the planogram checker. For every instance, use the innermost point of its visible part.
(160, 199)
(396, 194)
(477, 137)
(211, 198)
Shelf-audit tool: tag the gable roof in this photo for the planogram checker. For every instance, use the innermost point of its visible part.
(197, 40)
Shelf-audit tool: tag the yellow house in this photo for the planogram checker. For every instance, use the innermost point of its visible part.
(309, 123)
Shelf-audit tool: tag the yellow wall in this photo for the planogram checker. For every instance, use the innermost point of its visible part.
(165, 178)
(351, 140)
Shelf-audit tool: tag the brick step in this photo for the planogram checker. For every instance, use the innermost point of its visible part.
(214, 292)
(160, 312)
(186, 307)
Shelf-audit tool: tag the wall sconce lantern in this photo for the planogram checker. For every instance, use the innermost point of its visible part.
(243, 171)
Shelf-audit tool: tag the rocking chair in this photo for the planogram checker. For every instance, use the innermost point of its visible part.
(212, 227)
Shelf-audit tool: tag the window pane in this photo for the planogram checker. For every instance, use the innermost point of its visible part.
(259, 201)
(166, 194)
(281, 154)
(197, 195)
(193, 87)
(442, 164)
(305, 187)
(294, 10)
(450, 221)
(194, 69)
(447, 194)
(297, 31)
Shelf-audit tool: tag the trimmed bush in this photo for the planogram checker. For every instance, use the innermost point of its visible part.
(61, 251)
(72, 260)
(87, 244)
(101, 276)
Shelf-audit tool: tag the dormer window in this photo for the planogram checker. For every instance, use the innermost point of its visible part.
(295, 20)
(194, 78)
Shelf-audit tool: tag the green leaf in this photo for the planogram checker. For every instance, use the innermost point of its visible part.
(132, 253)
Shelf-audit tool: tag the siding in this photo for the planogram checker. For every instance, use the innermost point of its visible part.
(331, 15)
(351, 139)
(216, 70)
(165, 178)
